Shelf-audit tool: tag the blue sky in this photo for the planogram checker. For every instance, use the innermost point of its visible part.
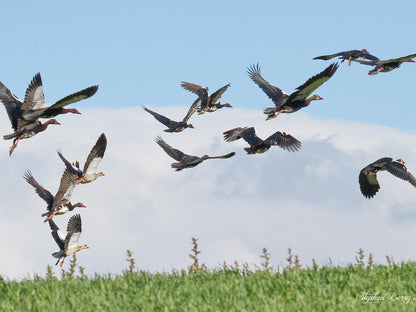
(138, 53)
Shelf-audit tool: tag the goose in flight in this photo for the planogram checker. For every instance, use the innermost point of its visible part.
(68, 245)
(285, 103)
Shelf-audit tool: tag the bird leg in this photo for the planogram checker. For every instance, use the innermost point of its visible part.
(275, 115)
(349, 59)
(62, 262)
(15, 142)
(378, 70)
(51, 216)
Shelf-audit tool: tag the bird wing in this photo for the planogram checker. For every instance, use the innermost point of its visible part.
(278, 96)
(285, 141)
(172, 152)
(399, 170)
(233, 134)
(75, 97)
(66, 187)
(369, 56)
(216, 96)
(39, 189)
(73, 232)
(399, 59)
(303, 91)
(96, 155)
(369, 185)
(34, 97)
(223, 156)
(57, 235)
(249, 135)
(369, 62)
(162, 119)
(12, 105)
(198, 90)
(194, 107)
(328, 56)
(73, 169)
(382, 62)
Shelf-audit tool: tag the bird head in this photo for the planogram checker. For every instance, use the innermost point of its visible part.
(70, 110)
(317, 97)
(83, 247)
(401, 161)
(52, 122)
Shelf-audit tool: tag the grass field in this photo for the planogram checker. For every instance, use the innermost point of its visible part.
(362, 286)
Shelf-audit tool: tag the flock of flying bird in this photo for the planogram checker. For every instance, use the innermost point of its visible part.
(25, 119)
(284, 103)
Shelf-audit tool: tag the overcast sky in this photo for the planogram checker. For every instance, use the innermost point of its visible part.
(138, 54)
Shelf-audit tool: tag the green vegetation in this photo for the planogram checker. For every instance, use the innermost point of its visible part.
(362, 286)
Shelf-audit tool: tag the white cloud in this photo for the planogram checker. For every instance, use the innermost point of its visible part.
(309, 200)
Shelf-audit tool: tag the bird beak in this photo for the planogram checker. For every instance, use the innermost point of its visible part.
(320, 98)
(412, 61)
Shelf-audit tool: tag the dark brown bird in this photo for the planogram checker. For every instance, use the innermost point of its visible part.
(208, 103)
(68, 244)
(184, 160)
(257, 145)
(60, 203)
(173, 126)
(89, 173)
(350, 55)
(285, 103)
(386, 65)
(368, 176)
(27, 131)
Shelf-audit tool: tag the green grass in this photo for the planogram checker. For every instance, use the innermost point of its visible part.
(229, 288)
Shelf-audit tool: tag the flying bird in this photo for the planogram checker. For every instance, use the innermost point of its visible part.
(28, 131)
(184, 160)
(386, 65)
(32, 108)
(24, 115)
(208, 103)
(285, 103)
(368, 176)
(89, 173)
(257, 145)
(22, 128)
(68, 244)
(350, 55)
(60, 203)
(174, 126)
